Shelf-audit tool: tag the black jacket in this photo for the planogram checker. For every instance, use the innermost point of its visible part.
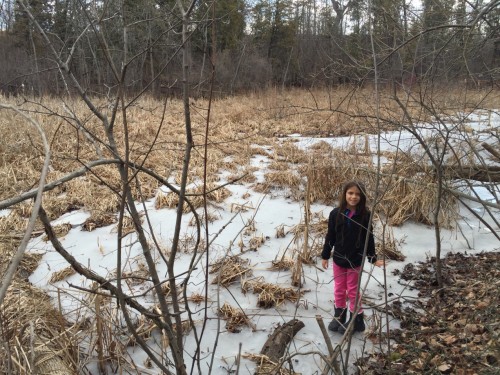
(347, 239)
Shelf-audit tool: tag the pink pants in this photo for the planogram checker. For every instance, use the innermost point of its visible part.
(345, 287)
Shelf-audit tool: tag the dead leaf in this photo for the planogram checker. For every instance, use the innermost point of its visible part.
(445, 367)
(483, 304)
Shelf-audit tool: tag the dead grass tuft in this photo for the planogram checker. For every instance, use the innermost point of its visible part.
(62, 274)
(128, 225)
(229, 270)
(271, 295)
(415, 198)
(196, 298)
(248, 175)
(36, 332)
(282, 179)
(12, 224)
(144, 328)
(8, 246)
(195, 195)
(283, 264)
(386, 245)
(288, 152)
(166, 200)
(187, 244)
(93, 194)
(256, 242)
(330, 172)
(210, 217)
(137, 276)
(24, 209)
(235, 318)
(321, 147)
(279, 165)
(60, 230)
(410, 194)
(214, 193)
(30, 262)
(98, 220)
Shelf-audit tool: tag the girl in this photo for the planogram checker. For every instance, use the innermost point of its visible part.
(346, 235)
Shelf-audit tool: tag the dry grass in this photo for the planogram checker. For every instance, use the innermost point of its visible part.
(266, 366)
(238, 130)
(144, 328)
(240, 207)
(288, 181)
(410, 193)
(187, 244)
(12, 224)
(36, 331)
(386, 245)
(235, 318)
(271, 295)
(250, 227)
(62, 274)
(229, 270)
(329, 173)
(24, 209)
(197, 298)
(214, 193)
(244, 175)
(321, 148)
(98, 220)
(210, 217)
(165, 200)
(60, 230)
(279, 166)
(139, 275)
(256, 242)
(29, 261)
(280, 231)
(282, 179)
(128, 225)
(283, 264)
(290, 153)
(241, 128)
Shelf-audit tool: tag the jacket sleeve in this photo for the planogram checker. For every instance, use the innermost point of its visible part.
(370, 251)
(330, 236)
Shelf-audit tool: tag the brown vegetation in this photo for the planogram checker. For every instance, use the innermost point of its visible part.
(238, 133)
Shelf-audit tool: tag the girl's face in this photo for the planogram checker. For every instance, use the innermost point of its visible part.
(352, 197)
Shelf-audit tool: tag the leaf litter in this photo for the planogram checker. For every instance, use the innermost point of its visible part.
(452, 330)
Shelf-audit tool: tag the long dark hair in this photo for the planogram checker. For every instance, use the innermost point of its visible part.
(361, 208)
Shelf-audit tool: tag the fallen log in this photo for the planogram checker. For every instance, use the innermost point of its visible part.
(276, 344)
(477, 173)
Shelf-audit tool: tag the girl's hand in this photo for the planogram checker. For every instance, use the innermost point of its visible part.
(379, 263)
(324, 263)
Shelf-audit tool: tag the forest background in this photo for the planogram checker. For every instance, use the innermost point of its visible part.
(256, 44)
